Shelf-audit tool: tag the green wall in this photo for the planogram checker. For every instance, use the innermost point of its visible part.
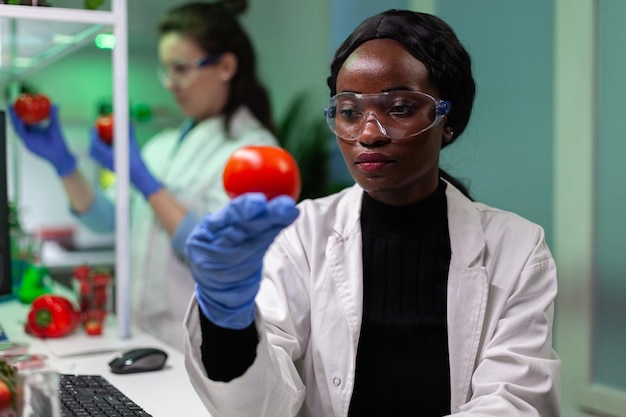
(291, 40)
(610, 245)
(505, 155)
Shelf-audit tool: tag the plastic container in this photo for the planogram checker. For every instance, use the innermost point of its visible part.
(35, 387)
(93, 290)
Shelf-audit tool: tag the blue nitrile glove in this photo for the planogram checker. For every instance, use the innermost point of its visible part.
(46, 141)
(225, 253)
(140, 176)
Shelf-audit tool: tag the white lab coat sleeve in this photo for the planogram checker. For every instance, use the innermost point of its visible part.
(273, 386)
(261, 391)
(517, 372)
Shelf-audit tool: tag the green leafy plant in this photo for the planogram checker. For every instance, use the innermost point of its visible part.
(93, 4)
(14, 217)
(305, 135)
(43, 3)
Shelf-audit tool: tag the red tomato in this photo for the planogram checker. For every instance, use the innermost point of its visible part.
(267, 169)
(32, 108)
(82, 272)
(104, 125)
(93, 328)
(5, 395)
(94, 322)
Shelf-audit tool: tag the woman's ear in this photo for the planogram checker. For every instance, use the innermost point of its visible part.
(448, 133)
(227, 66)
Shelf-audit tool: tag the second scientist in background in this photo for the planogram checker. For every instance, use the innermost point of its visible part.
(208, 64)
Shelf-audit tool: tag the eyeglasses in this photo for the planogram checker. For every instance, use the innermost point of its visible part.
(180, 72)
(397, 114)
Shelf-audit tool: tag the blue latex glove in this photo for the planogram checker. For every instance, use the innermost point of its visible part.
(46, 141)
(225, 253)
(140, 176)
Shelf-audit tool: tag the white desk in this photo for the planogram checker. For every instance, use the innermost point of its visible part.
(164, 393)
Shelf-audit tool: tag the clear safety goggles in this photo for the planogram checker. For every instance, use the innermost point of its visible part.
(397, 114)
(181, 73)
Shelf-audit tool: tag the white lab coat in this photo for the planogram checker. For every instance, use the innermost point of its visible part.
(501, 290)
(192, 173)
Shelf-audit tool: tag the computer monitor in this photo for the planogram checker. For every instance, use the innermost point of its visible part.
(5, 242)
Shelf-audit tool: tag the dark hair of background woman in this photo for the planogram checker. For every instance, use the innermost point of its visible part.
(431, 41)
(214, 27)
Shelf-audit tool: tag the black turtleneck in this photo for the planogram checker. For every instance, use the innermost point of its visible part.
(402, 359)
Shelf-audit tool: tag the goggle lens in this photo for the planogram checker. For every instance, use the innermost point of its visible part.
(398, 114)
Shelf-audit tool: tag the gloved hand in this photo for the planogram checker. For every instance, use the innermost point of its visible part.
(225, 253)
(140, 176)
(46, 141)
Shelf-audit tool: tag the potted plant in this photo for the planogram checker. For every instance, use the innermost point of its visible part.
(308, 139)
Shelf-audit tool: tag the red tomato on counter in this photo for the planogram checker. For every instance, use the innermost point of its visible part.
(104, 126)
(5, 395)
(267, 169)
(32, 108)
(93, 328)
(94, 322)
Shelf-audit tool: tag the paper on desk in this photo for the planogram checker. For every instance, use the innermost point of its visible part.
(77, 344)
(67, 347)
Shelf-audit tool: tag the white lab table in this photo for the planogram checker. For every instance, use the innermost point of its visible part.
(163, 393)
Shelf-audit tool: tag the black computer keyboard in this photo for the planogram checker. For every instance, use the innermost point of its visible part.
(94, 396)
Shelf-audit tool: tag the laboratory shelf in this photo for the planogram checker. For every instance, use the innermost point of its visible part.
(63, 30)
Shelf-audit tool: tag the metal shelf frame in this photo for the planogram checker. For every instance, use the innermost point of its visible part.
(118, 20)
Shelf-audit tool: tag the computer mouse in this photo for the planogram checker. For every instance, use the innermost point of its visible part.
(138, 360)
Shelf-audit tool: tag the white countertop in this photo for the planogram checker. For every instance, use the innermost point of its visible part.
(164, 393)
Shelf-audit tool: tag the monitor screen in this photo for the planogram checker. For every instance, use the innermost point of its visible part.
(5, 243)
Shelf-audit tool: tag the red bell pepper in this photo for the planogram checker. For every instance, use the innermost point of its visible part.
(52, 316)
